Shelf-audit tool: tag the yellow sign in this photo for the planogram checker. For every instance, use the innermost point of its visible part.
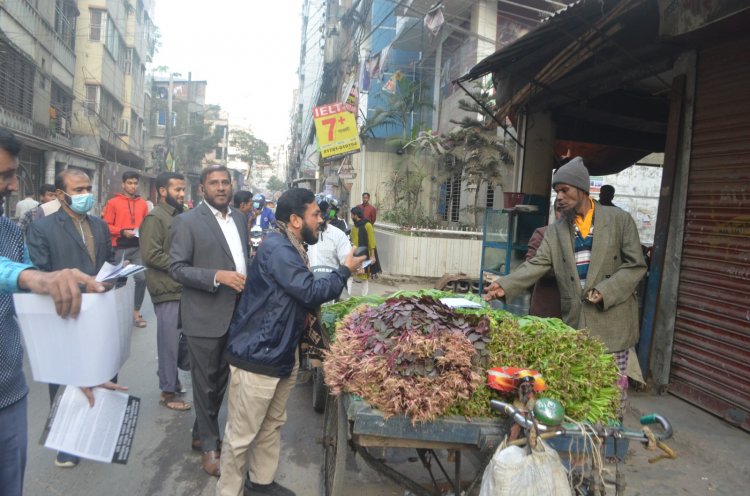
(336, 129)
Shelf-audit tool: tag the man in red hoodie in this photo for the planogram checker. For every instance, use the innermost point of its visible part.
(124, 214)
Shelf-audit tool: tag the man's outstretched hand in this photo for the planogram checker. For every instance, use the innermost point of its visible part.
(64, 286)
(89, 392)
(354, 263)
(494, 292)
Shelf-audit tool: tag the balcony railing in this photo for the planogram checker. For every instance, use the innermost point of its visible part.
(28, 17)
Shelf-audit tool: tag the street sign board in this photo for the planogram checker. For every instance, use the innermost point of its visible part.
(336, 130)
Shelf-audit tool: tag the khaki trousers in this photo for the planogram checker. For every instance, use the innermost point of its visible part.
(256, 412)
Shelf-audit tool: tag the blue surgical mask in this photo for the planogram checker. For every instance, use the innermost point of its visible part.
(256, 205)
(82, 203)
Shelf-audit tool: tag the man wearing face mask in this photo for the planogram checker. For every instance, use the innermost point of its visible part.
(261, 215)
(70, 239)
(275, 309)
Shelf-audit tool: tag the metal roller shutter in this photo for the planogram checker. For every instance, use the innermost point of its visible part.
(711, 354)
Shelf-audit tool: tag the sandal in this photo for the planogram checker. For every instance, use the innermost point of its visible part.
(139, 322)
(168, 400)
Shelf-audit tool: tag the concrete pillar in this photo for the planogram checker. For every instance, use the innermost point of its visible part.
(49, 166)
(484, 26)
(534, 162)
(436, 81)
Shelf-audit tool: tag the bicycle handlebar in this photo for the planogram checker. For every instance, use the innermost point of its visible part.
(568, 428)
(655, 418)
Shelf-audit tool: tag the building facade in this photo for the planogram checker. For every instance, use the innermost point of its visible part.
(114, 44)
(38, 99)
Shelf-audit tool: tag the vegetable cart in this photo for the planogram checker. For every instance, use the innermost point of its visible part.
(351, 424)
(417, 358)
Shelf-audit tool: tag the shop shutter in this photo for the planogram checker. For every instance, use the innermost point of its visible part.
(711, 354)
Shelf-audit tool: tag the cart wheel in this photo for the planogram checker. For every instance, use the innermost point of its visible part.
(319, 390)
(335, 443)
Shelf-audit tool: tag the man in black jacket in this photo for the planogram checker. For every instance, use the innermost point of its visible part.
(280, 296)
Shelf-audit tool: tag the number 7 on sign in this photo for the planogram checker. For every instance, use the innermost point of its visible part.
(331, 123)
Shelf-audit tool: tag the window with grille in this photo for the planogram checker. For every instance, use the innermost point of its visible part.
(110, 111)
(490, 201)
(16, 81)
(98, 28)
(91, 103)
(129, 61)
(62, 103)
(65, 22)
(115, 43)
(450, 198)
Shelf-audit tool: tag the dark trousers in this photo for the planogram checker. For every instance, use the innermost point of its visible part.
(134, 255)
(13, 440)
(210, 372)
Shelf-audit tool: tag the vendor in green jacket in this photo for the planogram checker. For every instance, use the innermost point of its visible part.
(165, 292)
(596, 255)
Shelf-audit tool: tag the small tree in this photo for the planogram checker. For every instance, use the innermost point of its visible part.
(252, 149)
(402, 104)
(406, 179)
(476, 147)
(201, 141)
(275, 184)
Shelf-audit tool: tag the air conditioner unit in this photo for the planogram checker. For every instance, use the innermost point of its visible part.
(123, 127)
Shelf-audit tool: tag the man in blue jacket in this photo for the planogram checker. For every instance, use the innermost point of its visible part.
(279, 298)
(17, 275)
(261, 215)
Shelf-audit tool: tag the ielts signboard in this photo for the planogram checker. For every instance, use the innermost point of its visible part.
(336, 130)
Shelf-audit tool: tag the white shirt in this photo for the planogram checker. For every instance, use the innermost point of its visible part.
(24, 206)
(232, 236)
(331, 249)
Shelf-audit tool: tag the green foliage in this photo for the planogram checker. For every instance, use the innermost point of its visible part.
(275, 184)
(408, 99)
(577, 369)
(405, 217)
(201, 141)
(252, 149)
(475, 146)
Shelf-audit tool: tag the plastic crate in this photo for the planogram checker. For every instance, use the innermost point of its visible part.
(510, 200)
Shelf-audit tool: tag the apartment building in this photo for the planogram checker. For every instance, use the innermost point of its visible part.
(38, 98)
(114, 42)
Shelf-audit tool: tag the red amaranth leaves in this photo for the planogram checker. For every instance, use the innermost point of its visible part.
(411, 356)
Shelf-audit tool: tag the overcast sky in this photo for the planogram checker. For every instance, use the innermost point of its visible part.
(247, 50)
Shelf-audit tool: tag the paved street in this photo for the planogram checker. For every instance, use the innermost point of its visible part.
(162, 462)
(712, 454)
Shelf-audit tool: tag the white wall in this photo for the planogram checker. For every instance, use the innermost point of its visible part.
(426, 256)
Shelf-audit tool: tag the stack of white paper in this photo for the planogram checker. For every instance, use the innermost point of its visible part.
(109, 272)
(459, 303)
(86, 351)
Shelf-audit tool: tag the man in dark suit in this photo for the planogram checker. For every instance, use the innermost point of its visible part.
(208, 256)
(70, 239)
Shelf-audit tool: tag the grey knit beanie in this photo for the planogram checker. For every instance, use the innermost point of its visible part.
(573, 173)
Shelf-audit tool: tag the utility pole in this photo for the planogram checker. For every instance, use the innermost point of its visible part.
(169, 113)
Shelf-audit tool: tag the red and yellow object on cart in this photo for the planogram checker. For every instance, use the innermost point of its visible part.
(336, 130)
(507, 379)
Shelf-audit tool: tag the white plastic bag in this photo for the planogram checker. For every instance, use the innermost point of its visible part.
(514, 472)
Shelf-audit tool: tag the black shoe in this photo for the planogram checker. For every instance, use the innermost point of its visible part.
(272, 489)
